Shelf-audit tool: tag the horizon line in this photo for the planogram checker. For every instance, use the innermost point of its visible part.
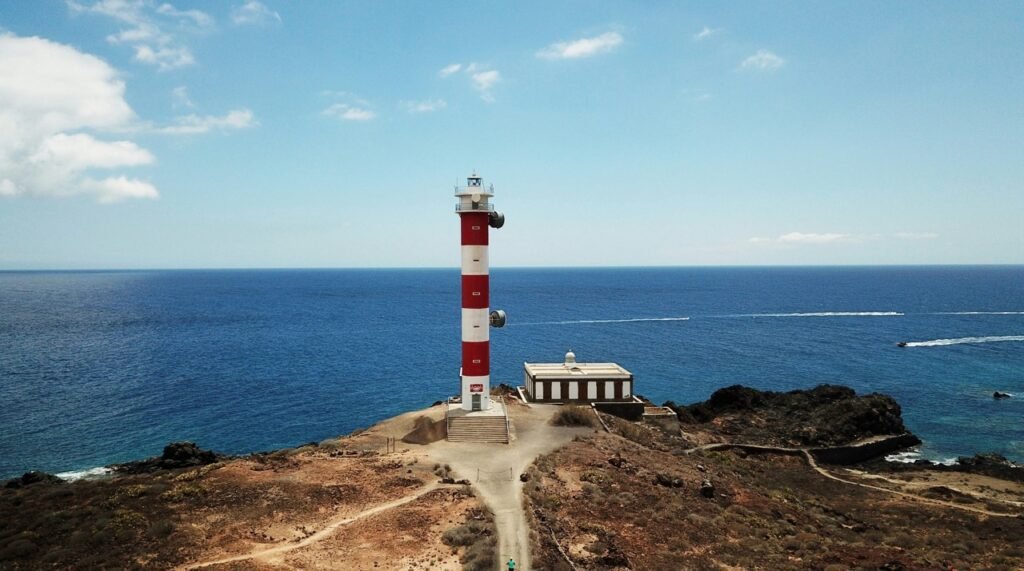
(455, 268)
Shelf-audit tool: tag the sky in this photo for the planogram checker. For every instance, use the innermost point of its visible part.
(241, 134)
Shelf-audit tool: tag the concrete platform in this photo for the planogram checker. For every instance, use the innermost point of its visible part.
(497, 409)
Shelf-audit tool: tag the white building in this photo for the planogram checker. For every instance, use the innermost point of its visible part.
(572, 382)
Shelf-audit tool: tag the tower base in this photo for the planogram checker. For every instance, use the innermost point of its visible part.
(476, 393)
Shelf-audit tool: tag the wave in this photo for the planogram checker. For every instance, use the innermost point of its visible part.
(634, 320)
(964, 340)
(84, 474)
(978, 313)
(911, 456)
(828, 314)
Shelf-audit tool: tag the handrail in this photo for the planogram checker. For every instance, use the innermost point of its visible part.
(508, 436)
(474, 207)
(447, 422)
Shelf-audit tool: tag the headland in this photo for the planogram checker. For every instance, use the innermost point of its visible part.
(746, 479)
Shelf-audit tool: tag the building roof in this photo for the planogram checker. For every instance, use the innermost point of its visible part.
(577, 371)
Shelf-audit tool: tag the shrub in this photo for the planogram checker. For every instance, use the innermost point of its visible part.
(463, 535)
(161, 529)
(18, 549)
(573, 415)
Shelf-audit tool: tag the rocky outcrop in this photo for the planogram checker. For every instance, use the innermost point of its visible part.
(33, 477)
(175, 455)
(827, 415)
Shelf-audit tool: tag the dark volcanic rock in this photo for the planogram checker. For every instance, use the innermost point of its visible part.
(176, 455)
(827, 415)
(707, 489)
(33, 477)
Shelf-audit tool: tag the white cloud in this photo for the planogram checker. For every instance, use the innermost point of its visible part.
(812, 238)
(425, 106)
(54, 100)
(116, 189)
(805, 238)
(347, 112)
(152, 29)
(485, 80)
(81, 151)
(583, 47)
(916, 235)
(167, 57)
(763, 60)
(199, 19)
(705, 33)
(180, 96)
(196, 124)
(450, 69)
(253, 13)
(481, 77)
(698, 95)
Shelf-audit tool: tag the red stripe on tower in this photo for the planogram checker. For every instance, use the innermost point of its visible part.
(475, 292)
(474, 228)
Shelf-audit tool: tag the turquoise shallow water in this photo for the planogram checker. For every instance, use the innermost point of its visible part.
(100, 367)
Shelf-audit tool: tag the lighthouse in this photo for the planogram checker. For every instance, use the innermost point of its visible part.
(476, 216)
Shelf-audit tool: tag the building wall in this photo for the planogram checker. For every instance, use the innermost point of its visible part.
(582, 390)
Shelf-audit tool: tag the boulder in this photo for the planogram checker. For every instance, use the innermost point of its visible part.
(668, 481)
(33, 477)
(707, 489)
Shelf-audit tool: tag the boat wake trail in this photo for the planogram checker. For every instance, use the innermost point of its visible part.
(979, 313)
(827, 314)
(964, 340)
(577, 321)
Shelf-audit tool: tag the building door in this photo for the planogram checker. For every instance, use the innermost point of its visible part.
(476, 402)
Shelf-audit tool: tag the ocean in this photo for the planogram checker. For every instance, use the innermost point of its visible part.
(98, 367)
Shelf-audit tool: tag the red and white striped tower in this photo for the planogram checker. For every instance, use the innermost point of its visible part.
(476, 214)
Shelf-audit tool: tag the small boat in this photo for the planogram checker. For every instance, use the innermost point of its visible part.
(901, 344)
(999, 395)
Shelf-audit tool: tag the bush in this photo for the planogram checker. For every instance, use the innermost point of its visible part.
(464, 535)
(161, 529)
(573, 415)
(18, 549)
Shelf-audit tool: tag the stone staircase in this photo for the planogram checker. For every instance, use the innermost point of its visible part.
(477, 429)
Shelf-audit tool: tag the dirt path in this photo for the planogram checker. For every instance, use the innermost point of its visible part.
(499, 467)
(261, 553)
(814, 465)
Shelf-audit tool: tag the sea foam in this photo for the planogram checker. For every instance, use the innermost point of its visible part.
(84, 474)
(911, 456)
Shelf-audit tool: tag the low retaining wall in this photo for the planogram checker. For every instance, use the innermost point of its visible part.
(853, 454)
(627, 410)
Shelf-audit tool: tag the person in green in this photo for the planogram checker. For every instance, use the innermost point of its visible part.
(511, 565)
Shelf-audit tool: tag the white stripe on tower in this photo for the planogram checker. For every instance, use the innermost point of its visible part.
(474, 261)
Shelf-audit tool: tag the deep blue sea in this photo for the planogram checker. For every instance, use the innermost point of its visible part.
(102, 367)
